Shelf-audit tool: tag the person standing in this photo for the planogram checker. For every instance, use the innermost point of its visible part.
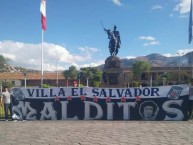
(75, 84)
(6, 99)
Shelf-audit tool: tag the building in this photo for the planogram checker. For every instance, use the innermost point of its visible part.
(179, 75)
(155, 76)
(34, 79)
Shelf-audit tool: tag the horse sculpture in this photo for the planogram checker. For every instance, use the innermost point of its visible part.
(114, 41)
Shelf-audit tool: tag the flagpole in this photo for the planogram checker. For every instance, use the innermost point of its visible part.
(190, 35)
(192, 64)
(43, 21)
(42, 60)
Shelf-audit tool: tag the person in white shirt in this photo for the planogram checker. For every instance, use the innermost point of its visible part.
(6, 99)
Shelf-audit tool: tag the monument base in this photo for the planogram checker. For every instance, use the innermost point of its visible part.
(113, 75)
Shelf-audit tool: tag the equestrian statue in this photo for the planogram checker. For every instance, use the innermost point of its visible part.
(114, 40)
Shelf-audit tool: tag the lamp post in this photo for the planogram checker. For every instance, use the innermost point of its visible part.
(192, 64)
(25, 79)
(79, 74)
(87, 81)
(78, 82)
(150, 80)
(180, 54)
(57, 72)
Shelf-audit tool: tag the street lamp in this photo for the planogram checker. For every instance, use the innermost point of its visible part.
(192, 64)
(180, 54)
(150, 80)
(57, 71)
(79, 75)
(25, 78)
(87, 81)
(79, 82)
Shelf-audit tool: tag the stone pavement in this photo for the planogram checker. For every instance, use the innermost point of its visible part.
(96, 133)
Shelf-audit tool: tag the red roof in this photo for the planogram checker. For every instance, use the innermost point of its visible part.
(30, 76)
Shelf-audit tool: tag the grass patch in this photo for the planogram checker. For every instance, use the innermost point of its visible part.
(2, 113)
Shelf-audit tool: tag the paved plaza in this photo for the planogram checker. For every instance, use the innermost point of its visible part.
(96, 133)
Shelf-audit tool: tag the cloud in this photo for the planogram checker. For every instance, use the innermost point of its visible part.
(183, 7)
(156, 7)
(9, 56)
(87, 51)
(183, 51)
(168, 55)
(29, 55)
(117, 2)
(93, 64)
(151, 43)
(130, 57)
(180, 52)
(149, 38)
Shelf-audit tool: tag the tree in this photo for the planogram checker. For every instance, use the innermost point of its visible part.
(3, 63)
(139, 67)
(185, 77)
(71, 72)
(97, 76)
(164, 78)
(92, 75)
(173, 78)
(7, 84)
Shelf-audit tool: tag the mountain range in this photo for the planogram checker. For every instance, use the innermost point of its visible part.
(158, 60)
(154, 59)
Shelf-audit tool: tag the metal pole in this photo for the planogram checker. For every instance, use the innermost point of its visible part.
(79, 79)
(25, 81)
(179, 69)
(57, 72)
(179, 74)
(87, 82)
(42, 63)
(25, 78)
(151, 80)
(57, 78)
(192, 65)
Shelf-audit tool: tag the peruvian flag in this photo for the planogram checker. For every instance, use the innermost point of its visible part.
(43, 14)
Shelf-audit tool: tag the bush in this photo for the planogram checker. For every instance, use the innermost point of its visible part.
(45, 86)
(81, 85)
(135, 84)
(7, 84)
(96, 84)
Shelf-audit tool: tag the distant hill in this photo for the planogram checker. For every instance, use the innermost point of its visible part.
(158, 60)
(154, 59)
(11, 69)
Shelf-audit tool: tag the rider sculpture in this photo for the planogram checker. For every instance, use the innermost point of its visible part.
(114, 41)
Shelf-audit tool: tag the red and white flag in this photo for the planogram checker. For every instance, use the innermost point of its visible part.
(43, 14)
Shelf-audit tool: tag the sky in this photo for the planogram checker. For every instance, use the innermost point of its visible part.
(75, 36)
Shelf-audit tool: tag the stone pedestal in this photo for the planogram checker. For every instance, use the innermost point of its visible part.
(113, 76)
